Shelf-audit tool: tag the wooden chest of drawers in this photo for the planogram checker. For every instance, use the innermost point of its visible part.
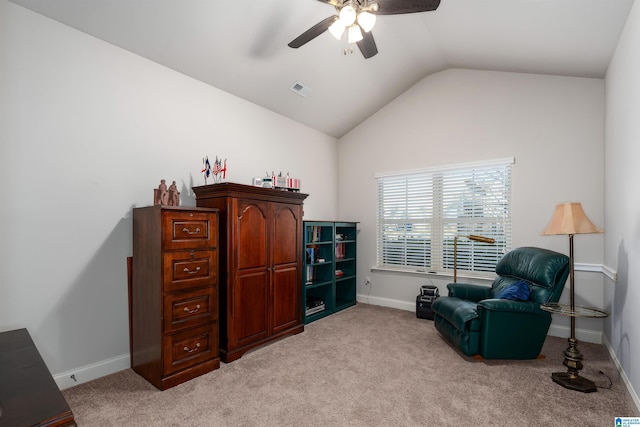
(174, 294)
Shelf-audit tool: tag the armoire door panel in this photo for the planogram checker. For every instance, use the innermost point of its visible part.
(250, 314)
(286, 298)
(286, 247)
(251, 228)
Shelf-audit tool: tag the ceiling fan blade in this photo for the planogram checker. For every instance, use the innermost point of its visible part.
(397, 7)
(313, 32)
(332, 2)
(367, 45)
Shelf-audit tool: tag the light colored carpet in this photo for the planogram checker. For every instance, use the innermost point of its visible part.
(364, 366)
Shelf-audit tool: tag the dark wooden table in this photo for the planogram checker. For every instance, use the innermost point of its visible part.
(28, 394)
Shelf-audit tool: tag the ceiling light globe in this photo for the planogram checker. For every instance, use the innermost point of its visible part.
(337, 29)
(354, 35)
(366, 20)
(348, 15)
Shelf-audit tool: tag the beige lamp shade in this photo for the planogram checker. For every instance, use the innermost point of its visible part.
(569, 218)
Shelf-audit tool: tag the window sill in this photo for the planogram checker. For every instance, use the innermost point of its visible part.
(434, 274)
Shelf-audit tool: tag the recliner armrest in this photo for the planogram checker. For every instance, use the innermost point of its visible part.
(468, 291)
(510, 305)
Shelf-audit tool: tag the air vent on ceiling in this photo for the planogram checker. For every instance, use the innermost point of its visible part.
(301, 89)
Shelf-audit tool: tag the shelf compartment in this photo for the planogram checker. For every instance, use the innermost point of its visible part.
(328, 247)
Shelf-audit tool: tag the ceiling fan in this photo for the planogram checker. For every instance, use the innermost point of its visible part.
(357, 17)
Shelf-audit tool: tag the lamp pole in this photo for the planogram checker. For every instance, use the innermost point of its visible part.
(572, 356)
(473, 237)
(455, 259)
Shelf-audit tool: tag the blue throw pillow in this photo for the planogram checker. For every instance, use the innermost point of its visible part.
(517, 291)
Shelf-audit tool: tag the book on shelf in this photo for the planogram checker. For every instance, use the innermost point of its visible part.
(339, 273)
(316, 233)
(311, 255)
(340, 250)
(314, 310)
(313, 301)
(311, 272)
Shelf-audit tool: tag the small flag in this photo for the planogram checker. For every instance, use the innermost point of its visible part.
(224, 169)
(206, 168)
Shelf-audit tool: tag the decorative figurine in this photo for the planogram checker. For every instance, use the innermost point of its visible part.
(160, 194)
(164, 196)
(174, 195)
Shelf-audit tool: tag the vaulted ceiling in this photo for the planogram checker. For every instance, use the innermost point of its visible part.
(241, 46)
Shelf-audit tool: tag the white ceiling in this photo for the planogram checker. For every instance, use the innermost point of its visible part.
(241, 46)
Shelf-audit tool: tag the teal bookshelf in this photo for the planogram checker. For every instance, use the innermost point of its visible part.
(330, 268)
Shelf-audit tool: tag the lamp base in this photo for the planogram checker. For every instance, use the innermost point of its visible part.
(574, 382)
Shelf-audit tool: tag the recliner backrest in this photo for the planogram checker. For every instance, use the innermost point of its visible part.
(544, 270)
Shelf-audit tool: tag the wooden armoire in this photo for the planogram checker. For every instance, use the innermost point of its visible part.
(260, 264)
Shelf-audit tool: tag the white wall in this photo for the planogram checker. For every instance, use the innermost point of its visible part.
(622, 204)
(87, 131)
(554, 128)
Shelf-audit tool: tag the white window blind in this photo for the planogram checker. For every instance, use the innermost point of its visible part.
(421, 212)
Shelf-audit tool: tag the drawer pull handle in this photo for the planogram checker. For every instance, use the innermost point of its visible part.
(187, 231)
(195, 310)
(191, 350)
(186, 270)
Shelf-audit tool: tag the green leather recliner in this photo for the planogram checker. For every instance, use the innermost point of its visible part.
(476, 323)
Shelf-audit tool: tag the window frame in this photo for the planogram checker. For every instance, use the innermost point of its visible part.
(417, 233)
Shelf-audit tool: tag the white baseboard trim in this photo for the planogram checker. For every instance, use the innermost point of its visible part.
(93, 371)
(386, 302)
(630, 390)
(586, 335)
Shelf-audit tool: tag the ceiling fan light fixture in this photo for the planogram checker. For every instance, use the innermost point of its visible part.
(354, 35)
(358, 17)
(348, 15)
(366, 20)
(337, 29)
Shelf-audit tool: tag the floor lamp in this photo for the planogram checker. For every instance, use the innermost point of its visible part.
(569, 219)
(455, 250)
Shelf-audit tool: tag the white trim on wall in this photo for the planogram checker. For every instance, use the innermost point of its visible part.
(596, 268)
(589, 268)
(92, 371)
(630, 390)
(610, 273)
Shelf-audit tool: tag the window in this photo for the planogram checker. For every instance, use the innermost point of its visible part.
(421, 212)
